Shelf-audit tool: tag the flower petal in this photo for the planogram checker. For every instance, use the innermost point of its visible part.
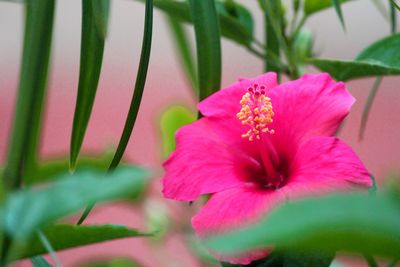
(313, 105)
(201, 164)
(325, 165)
(225, 103)
(232, 209)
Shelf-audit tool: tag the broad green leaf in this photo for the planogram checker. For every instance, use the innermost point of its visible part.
(383, 51)
(338, 9)
(24, 138)
(48, 169)
(348, 70)
(27, 210)
(235, 20)
(380, 58)
(354, 222)
(69, 236)
(208, 46)
(313, 6)
(139, 85)
(171, 120)
(183, 48)
(94, 27)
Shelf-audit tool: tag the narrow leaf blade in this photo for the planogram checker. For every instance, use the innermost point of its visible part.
(94, 24)
(24, 138)
(139, 85)
(183, 48)
(314, 6)
(338, 9)
(367, 107)
(208, 46)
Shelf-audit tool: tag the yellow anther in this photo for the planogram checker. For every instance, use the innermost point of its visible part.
(256, 112)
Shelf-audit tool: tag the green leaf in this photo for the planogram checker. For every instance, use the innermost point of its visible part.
(347, 70)
(291, 259)
(49, 169)
(118, 262)
(367, 107)
(235, 20)
(353, 222)
(171, 120)
(395, 4)
(27, 210)
(380, 58)
(272, 50)
(393, 16)
(208, 46)
(69, 236)
(139, 85)
(338, 9)
(39, 262)
(183, 48)
(383, 51)
(314, 6)
(24, 138)
(48, 248)
(94, 27)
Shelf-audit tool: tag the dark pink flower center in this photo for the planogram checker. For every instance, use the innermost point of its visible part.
(267, 170)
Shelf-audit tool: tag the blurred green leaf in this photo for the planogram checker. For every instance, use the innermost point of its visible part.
(354, 222)
(235, 20)
(27, 210)
(49, 169)
(139, 85)
(395, 4)
(94, 28)
(184, 50)
(338, 9)
(119, 262)
(208, 46)
(171, 120)
(24, 138)
(69, 236)
(314, 6)
(380, 58)
(39, 262)
(303, 47)
(291, 259)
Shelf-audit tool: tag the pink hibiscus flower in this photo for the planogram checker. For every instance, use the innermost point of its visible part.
(260, 144)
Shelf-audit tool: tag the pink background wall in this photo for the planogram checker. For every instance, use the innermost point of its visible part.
(166, 85)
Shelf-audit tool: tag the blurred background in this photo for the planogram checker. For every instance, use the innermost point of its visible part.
(166, 85)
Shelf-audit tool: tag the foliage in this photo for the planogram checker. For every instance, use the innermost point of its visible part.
(36, 194)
